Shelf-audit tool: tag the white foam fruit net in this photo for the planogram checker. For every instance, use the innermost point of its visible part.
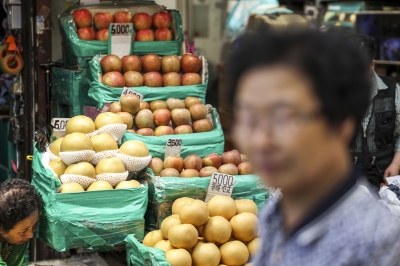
(103, 154)
(112, 178)
(51, 155)
(134, 164)
(115, 130)
(70, 157)
(84, 181)
(92, 134)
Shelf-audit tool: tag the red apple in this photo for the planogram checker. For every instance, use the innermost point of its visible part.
(173, 103)
(162, 20)
(122, 17)
(144, 105)
(190, 63)
(193, 162)
(232, 156)
(212, 160)
(174, 162)
(130, 103)
(229, 169)
(82, 18)
(188, 173)
(180, 117)
(113, 79)
(244, 158)
(189, 101)
(111, 63)
(171, 79)
(170, 63)
(202, 125)
(142, 21)
(115, 107)
(162, 117)
(157, 165)
(158, 104)
(207, 171)
(191, 79)
(183, 129)
(151, 63)
(86, 34)
(145, 131)
(144, 118)
(198, 111)
(133, 79)
(245, 168)
(127, 118)
(169, 172)
(163, 130)
(131, 62)
(152, 79)
(102, 35)
(163, 34)
(144, 36)
(101, 20)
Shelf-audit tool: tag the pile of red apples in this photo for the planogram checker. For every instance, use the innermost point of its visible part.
(148, 28)
(159, 118)
(230, 163)
(151, 70)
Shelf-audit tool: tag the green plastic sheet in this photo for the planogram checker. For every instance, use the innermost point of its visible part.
(74, 47)
(138, 254)
(71, 88)
(163, 191)
(201, 144)
(103, 94)
(95, 220)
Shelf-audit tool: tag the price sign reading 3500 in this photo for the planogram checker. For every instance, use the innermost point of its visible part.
(173, 147)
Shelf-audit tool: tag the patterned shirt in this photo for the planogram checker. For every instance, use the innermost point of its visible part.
(356, 230)
(377, 84)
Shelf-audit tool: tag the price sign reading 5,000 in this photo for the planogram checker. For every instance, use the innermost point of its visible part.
(222, 179)
(59, 123)
(121, 29)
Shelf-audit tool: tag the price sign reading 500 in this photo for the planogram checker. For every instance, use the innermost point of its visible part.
(59, 123)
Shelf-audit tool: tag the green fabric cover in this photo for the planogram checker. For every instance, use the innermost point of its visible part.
(74, 47)
(103, 94)
(163, 191)
(138, 254)
(71, 88)
(201, 144)
(96, 220)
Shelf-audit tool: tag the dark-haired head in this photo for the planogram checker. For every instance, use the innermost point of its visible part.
(368, 47)
(297, 99)
(20, 205)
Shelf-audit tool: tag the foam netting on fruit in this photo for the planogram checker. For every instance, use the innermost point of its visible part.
(51, 155)
(70, 157)
(115, 130)
(92, 134)
(134, 164)
(112, 178)
(84, 181)
(102, 155)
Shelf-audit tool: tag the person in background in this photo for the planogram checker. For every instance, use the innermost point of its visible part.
(376, 147)
(297, 99)
(20, 205)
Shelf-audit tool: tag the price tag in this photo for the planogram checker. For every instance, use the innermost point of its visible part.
(173, 147)
(120, 38)
(395, 180)
(59, 126)
(220, 184)
(127, 91)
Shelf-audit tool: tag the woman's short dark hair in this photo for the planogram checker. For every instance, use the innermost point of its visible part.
(18, 200)
(332, 61)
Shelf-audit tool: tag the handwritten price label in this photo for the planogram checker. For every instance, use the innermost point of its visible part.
(120, 38)
(173, 148)
(59, 125)
(220, 184)
(127, 91)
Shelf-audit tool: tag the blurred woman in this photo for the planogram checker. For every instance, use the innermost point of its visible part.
(20, 205)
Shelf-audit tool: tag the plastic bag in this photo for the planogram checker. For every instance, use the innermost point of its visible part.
(92, 259)
(390, 200)
(140, 255)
